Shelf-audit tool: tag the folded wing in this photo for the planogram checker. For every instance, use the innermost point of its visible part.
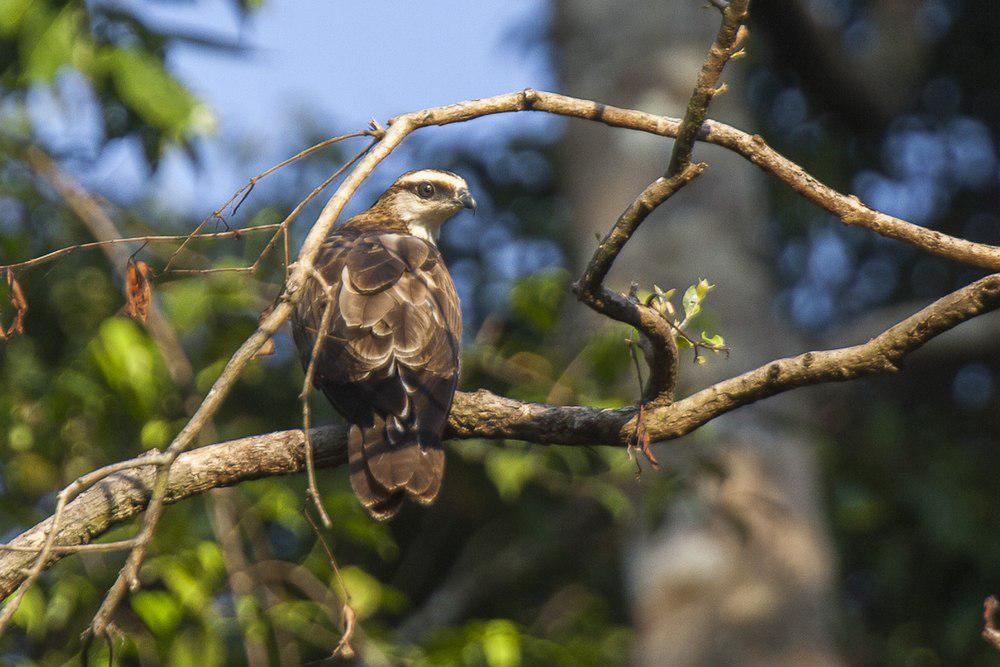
(389, 360)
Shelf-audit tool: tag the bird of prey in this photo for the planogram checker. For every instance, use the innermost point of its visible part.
(389, 359)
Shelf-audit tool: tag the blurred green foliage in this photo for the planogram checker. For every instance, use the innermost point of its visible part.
(86, 386)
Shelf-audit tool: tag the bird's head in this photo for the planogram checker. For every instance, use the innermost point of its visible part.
(424, 199)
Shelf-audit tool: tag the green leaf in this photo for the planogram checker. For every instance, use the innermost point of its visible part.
(703, 288)
(693, 296)
(713, 340)
(502, 644)
(46, 52)
(691, 302)
(190, 591)
(11, 14)
(158, 610)
(510, 470)
(153, 93)
(31, 612)
(535, 300)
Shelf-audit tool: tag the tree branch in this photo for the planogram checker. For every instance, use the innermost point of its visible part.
(591, 291)
(481, 414)
(664, 422)
(661, 346)
(732, 34)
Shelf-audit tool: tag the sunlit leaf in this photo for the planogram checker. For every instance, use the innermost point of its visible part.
(502, 644)
(31, 612)
(510, 470)
(153, 93)
(717, 339)
(159, 610)
(11, 14)
(691, 302)
(47, 51)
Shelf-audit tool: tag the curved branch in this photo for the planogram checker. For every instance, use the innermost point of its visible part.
(590, 289)
(848, 208)
(481, 414)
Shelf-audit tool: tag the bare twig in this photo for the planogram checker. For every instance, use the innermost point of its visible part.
(56, 254)
(282, 227)
(343, 648)
(248, 187)
(313, 489)
(732, 34)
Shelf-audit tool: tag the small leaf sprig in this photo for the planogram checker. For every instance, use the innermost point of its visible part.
(691, 303)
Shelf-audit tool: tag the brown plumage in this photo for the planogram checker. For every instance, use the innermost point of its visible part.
(389, 361)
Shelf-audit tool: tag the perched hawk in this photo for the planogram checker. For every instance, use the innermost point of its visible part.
(389, 359)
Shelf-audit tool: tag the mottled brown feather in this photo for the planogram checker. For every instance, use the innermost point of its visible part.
(389, 361)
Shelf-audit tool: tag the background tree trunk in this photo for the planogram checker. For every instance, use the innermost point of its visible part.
(741, 570)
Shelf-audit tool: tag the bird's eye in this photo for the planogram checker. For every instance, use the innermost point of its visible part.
(425, 190)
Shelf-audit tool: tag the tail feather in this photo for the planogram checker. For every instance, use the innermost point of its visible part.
(387, 467)
(426, 481)
(380, 502)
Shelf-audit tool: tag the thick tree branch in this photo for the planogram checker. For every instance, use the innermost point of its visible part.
(481, 414)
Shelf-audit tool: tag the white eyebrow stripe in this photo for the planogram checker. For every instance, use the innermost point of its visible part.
(435, 177)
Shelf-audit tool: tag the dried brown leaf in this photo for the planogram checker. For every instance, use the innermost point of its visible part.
(990, 631)
(138, 290)
(19, 303)
(344, 648)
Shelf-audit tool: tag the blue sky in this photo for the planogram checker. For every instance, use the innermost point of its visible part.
(339, 64)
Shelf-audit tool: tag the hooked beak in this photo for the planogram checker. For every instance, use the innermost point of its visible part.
(466, 200)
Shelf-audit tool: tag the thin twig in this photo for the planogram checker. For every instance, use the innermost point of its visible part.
(307, 383)
(343, 648)
(732, 33)
(249, 186)
(281, 228)
(56, 254)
